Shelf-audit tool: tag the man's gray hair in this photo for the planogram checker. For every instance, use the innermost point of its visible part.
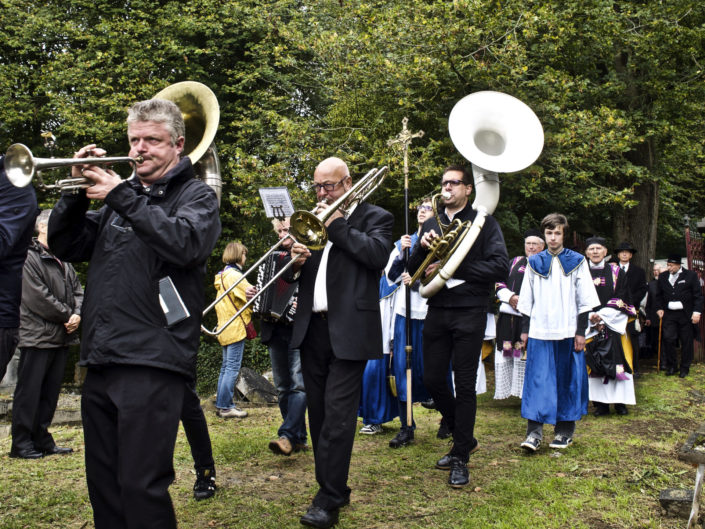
(161, 111)
(42, 219)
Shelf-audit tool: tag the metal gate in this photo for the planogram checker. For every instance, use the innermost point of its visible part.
(696, 262)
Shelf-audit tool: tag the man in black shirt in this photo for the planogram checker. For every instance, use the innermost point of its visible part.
(456, 319)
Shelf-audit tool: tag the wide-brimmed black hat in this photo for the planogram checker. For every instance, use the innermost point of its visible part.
(624, 245)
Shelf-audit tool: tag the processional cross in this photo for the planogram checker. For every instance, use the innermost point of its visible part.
(404, 138)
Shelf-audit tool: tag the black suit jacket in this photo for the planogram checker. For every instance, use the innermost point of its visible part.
(651, 302)
(636, 285)
(687, 290)
(361, 246)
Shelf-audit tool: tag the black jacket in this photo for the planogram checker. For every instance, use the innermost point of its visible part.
(687, 290)
(137, 238)
(636, 284)
(361, 246)
(51, 294)
(18, 209)
(485, 264)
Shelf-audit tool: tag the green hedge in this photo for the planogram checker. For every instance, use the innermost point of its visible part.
(210, 358)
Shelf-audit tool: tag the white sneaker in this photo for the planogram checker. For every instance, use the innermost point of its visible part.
(232, 412)
(371, 429)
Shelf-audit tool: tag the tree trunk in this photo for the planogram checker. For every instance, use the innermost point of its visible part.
(638, 225)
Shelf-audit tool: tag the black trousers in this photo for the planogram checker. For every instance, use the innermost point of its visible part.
(196, 429)
(37, 391)
(677, 324)
(130, 419)
(333, 388)
(9, 336)
(454, 335)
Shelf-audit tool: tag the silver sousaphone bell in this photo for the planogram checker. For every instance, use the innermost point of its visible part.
(497, 133)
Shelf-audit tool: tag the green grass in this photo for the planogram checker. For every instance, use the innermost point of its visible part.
(609, 479)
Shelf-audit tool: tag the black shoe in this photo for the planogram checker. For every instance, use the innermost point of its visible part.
(444, 462)
(671, 371)
(321, 518)
(57, 450)
(26, 453)
(204, 487)
(601, 409)
(531, 444)
(403, 438)
(621, 409)
(429, 404)
(443, 431)
(684, 373)
(459, 475)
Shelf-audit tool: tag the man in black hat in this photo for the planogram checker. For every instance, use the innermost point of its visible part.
(679, 302)
(636, 290)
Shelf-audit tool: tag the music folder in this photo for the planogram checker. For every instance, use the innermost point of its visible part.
(173, 306)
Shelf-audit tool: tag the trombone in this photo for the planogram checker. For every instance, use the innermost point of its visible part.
(21, 167)
(306, 228)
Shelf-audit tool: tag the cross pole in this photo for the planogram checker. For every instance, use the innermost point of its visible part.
(404, 138)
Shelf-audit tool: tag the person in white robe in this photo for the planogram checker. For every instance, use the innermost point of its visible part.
(556, 298)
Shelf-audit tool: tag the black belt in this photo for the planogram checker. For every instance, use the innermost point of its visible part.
(323, 314)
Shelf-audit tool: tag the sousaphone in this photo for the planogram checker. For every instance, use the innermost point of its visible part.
(497, 133)
(201, 112)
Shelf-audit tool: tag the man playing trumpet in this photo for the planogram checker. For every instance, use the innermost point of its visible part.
(456, 319)
(157, 228)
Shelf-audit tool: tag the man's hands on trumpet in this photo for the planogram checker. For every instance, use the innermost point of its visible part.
(104, 179)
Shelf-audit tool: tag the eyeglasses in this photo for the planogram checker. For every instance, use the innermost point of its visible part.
(327, 186)
(454, 183)
(425, 207)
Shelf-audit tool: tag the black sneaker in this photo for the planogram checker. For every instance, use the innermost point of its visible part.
(531, 444)
(403, 438)
(459, 475)
(204, 487)
(561, 442)
(443, 431)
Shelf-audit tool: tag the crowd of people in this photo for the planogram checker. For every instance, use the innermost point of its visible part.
(355, 338)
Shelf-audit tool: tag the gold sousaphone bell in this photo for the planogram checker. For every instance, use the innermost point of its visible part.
(201, 114)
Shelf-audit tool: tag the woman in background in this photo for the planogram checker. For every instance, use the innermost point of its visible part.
(233, 337)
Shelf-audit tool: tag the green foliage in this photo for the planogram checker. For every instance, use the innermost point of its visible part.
(210, 358)
(617, 85)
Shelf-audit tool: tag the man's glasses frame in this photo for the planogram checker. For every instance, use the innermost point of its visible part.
(453, 183)
(328, 186)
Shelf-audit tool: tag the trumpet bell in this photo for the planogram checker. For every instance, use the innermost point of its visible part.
(308, 229)
(19, 165)
(496, 131)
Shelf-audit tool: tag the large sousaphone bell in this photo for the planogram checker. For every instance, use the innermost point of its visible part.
(497, 133)
(201, 112)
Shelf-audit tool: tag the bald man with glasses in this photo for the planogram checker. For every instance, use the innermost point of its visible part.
(337, 329)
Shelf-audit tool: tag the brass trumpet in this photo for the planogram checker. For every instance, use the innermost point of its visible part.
(306, 228)
(21, 167)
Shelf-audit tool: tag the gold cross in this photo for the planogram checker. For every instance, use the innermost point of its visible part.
(404, 138)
